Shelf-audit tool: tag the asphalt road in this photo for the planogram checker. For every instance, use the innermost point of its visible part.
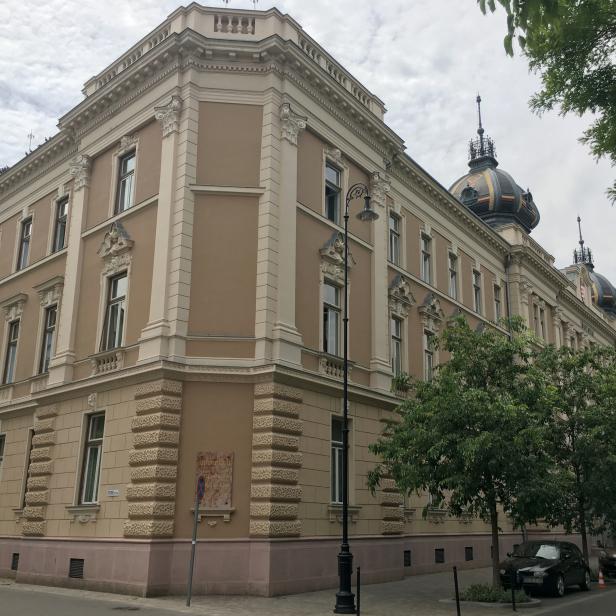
(594, 603)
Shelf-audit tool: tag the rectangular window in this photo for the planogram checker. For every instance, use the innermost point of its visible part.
(468, 553)
(25, 235)
(333, 192)
(536, 319)
(337, 451)
(24, 487)
(48, 335)
(126, 183)
(331, 319)
(91, 468)
(439, 555)
(114, 313)
(11, 353)
(396, 345)
(453, 276)
(2, 441)
(428, 356)
(497, 303)
(59, 231)
(542, 323)
(477, 290)
(407, 558)
(426, 259)
(394, 238)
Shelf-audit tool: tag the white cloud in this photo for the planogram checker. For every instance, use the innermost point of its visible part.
(425, 59)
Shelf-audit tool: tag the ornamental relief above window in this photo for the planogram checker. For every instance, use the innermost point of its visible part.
(115, 250)
(400, 297)
(332, 258)
(431, 313)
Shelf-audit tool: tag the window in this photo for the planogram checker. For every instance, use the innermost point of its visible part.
(331, 319)
(468, 553)
(428, 356)
(394, 238)
(542, 323)
(536, 319)
(48, 334)
(114, 314)
(59, 232)
(407, 558)
(426, 259)
(453, 276)
(24, 243)
(2, 441)
(396, 345)
(332, 193)
(11, 353)
(497, 303)
(91, 470)
(337, 452)
(126, 183)
(477, 290)
(24, 487)
(439, 555)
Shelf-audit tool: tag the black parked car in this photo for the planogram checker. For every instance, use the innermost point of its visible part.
(548, 566)
(607, 561)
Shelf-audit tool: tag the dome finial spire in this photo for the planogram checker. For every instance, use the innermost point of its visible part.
(583, 254)
(482, 149)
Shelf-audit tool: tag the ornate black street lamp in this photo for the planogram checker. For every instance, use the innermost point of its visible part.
(345, 599)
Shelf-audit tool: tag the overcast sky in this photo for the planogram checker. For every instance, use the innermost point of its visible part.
(426, 59)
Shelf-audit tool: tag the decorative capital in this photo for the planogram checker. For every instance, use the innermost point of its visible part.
(379, 187)
(80, 170)
(291, 123)
(169, 115)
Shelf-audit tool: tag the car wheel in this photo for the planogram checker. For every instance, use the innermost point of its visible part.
(585, 585)
(558, 589)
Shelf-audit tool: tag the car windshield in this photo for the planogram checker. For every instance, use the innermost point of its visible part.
(538, 550)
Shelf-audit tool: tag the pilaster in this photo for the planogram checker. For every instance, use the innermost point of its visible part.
(276, 461)
(154, 460)
(61, 365)
(154, 337)
(39, 472)
(380, 366)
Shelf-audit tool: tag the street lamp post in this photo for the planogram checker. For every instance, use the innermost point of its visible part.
(345, 599)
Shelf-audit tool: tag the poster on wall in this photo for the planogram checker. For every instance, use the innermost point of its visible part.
(217, 469)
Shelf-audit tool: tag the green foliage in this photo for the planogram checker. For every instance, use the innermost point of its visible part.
(471, 435)
(580, 420)
(572, 45)
(401, 382)
(489, 594)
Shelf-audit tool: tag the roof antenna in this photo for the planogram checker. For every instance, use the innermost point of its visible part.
(583, 255)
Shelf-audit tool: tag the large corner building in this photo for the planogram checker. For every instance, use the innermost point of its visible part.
(170, 282)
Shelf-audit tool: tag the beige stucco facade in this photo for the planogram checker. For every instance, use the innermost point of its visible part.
(231, 118)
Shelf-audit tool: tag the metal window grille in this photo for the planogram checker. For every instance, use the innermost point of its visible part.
(75, 568)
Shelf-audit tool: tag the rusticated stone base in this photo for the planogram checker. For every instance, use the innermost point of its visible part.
(153, 459)
(276, 460)
(391, 508)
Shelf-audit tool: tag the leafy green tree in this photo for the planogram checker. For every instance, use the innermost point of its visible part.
(472, 435)
(571, 44)
(581, 439)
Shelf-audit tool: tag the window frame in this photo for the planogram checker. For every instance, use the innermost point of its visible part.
(394, 248)
(2, 450)
(477, 291)
(498, 313)
(25, 240)
(121, 177)
(337, 190)
(10, 350)
(396, 339)
(336, 453)
(428, 355)
(425, 263)
(452, 266)
(26, 475)
(51, 332)
(91, 443)
(110, 302)
(327, 309)
(60, 222)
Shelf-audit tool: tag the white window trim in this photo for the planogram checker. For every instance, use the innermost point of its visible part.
(80, 484)
(63, 193)
(333, 156)
(13, 311)
(2, 458)
(426, 334)
(50, 294)
(482, 299)
(351, 458)
(401, 237)
(426, 232)
(325, 280)
(495, 284)
(104, 282)
(453, 254)
(404, 365)
(128, 144)
(26, 467)
(25, 214)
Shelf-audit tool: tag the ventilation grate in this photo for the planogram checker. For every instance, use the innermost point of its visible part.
(407, 558)
(75, 568)
(15, 561)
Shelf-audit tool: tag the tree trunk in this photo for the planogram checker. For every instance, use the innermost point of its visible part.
(583, 532)
(495, 551)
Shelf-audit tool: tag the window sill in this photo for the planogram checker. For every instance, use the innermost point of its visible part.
(334, 511)
(204, 513)
(83, 514)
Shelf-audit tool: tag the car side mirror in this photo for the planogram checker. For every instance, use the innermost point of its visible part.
(509, 554)
(567, 556)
